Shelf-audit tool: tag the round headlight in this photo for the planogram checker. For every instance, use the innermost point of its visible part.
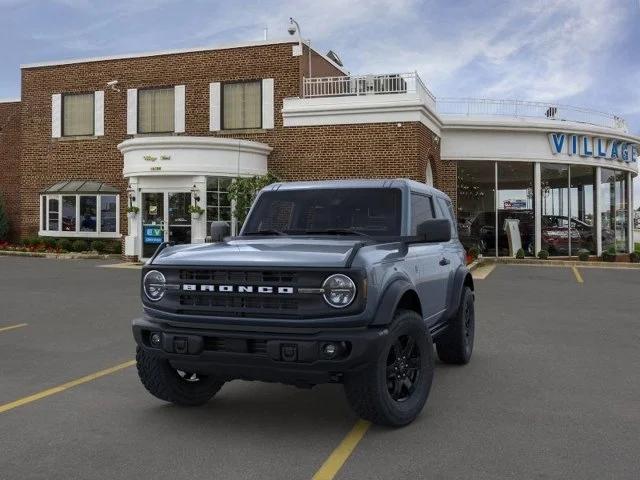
(153, 285)
(339, 290)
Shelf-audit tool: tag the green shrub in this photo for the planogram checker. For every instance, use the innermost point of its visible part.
(520, 253)
(610, 254)
(543, 254)
(48, 242)
(583, 254)
(634, 257)
(64, 244)
(30, 241)
(79, 245)
(99, 246)
(115, 247)
(474, 252)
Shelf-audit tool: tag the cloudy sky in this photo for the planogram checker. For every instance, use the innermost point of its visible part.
(582, 52)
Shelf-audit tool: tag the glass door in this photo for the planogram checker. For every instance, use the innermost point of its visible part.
(153, 222)
(179, 220)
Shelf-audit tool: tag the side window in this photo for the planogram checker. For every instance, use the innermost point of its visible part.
(447, 211)
(421, 210)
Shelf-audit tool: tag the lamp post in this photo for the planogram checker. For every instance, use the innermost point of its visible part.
(294, 28)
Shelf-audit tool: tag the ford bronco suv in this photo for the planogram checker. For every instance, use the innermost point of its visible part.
(349, 281)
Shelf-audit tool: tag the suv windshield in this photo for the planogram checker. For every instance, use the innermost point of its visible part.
(339, 211)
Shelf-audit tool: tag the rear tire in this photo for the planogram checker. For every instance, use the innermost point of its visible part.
(168, 384)
(455, 346)
(393, 390)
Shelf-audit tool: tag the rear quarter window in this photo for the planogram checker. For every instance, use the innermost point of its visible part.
(421, 210)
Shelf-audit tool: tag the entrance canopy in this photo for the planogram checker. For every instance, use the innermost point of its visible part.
(80, 187)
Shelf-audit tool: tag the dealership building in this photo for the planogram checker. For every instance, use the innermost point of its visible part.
(165, 130)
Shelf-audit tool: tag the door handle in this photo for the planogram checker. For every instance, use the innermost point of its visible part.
(444, 261)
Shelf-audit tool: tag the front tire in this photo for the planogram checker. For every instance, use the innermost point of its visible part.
(171, 385)
(394, 389)
(455, 346)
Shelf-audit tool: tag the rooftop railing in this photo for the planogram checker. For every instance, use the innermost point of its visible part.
(525, 109)
(410, 83)
(357, 85)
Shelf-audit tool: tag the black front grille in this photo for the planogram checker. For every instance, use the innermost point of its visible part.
(198, 293)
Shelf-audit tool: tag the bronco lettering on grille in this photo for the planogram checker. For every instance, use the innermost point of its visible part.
(191, 287)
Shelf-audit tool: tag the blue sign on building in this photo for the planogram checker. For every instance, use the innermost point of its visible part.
(153, 235)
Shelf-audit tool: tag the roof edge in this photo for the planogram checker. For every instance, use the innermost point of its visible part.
(125, 56)
(10, 100)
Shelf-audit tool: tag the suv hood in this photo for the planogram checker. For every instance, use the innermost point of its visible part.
(272, 252)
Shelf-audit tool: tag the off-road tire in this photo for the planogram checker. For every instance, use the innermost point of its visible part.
(164, 382)
(455, 345)
(368, 390)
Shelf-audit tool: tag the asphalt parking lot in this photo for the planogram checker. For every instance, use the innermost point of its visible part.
(553, 390)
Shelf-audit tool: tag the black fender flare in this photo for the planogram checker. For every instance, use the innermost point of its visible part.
(462, 276)
(390, 299)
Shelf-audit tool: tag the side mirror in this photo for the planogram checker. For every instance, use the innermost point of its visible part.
(434, 230)
(219, 230)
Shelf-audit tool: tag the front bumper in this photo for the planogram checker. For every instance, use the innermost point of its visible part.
(291, 357)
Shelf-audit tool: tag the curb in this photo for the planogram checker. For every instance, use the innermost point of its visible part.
(566, 263)
(61, 256)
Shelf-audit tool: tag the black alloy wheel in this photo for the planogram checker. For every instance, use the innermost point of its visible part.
(403, 368)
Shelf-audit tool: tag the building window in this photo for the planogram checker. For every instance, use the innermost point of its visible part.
(218, 203)
(242, 105)
(156, 110)
(582, 204)
(70, 215)
(477, 206)
(77, 114)
(614, 210)
(515, 208)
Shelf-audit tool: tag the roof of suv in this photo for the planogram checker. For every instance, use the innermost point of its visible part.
(358, 183)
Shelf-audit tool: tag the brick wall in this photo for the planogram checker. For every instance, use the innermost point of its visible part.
(9, 160)
(310, 153)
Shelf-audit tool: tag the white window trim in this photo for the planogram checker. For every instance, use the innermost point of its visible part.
(179, 108)
(79, 234)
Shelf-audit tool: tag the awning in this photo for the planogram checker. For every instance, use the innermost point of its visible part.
(80, 187)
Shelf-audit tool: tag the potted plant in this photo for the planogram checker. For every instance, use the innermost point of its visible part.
(132, 211)
(195, 211)
(520, 254)
(472, 254)
(634, 257)
(583, 255)
(543, 254)
(610, 254)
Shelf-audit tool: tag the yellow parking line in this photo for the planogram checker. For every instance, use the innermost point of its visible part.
(334, 463)
(577, 275)
(61, 388)
(11, 327)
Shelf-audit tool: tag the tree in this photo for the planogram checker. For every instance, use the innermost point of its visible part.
(243, 191)
(4, 219)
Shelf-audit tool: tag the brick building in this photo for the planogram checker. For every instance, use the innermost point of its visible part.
(162, 131)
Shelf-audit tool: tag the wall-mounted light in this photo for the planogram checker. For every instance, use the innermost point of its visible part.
(436, 139)
(195, 192)
(131, 192)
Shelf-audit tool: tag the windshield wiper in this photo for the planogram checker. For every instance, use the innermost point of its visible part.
(265, 232)
(337, 231)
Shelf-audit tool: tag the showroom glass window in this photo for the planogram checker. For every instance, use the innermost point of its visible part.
(218, 202)
(77, 114)
(554, 193)
(78, 215)
(582, 205)
(515, 208)
(156, 110)
(608, 208)
(241, 105)
(621, 212)
(476, 206)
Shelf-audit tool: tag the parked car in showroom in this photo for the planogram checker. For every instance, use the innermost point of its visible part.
(349, 282)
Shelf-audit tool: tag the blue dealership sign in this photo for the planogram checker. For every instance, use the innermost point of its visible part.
(153, 235)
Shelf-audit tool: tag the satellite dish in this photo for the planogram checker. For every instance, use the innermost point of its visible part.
(334, 57)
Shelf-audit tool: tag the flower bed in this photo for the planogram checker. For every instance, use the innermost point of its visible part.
(53, 245)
